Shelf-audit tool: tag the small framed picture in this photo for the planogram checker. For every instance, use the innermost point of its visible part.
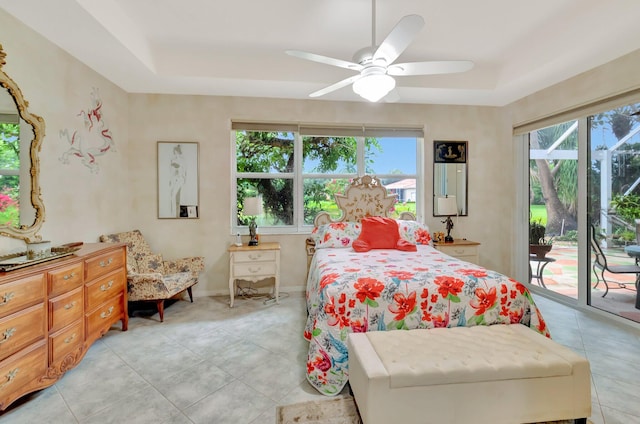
(178, 180)
(450, 151)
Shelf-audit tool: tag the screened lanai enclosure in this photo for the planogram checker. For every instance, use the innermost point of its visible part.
(611, 139)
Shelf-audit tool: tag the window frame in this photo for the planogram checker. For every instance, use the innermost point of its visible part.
(360, 133)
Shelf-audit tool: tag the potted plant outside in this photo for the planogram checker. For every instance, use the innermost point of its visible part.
(539, 245)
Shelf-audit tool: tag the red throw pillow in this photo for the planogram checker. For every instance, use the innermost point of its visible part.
(380, 233)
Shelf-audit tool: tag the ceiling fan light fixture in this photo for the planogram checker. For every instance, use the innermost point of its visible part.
(374, 87)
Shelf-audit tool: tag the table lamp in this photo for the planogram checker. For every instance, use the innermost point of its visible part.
(448, 206)
(252, 207)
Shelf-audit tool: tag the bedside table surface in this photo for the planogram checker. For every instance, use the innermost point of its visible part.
(457, 242)
(261, 246)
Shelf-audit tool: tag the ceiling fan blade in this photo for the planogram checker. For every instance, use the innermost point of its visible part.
(430, 68)
(399, 38)
(335, 86)
(324, 59)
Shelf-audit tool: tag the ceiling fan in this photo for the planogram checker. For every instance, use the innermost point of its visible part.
(375, 63)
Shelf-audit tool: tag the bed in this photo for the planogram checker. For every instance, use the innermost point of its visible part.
(405, 287)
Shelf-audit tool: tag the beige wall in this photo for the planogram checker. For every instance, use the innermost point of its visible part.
(80, 204)
(207, 120)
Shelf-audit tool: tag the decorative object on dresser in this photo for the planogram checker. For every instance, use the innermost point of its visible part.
(52, 312)
(252, 207)
(149, 276)
(447, 206)
(463, 249)
(254, 263)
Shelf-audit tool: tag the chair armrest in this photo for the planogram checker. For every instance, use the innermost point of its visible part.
(148, 286)
(194, 265)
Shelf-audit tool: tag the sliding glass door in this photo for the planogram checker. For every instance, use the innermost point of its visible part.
(614, 177)
(553, 207)
(584, 185)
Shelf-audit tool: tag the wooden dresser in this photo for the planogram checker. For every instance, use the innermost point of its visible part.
(51, 313)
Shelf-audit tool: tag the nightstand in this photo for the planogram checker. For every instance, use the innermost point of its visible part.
(254, 263)
(465, 250)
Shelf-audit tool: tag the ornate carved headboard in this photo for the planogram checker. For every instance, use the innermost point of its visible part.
(366, 196)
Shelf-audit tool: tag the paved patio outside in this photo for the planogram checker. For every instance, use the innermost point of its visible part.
(561, 277)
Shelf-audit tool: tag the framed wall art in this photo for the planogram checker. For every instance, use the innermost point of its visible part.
(178, 174)
(450, 151)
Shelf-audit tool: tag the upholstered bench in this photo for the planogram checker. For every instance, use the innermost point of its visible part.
(484, 374)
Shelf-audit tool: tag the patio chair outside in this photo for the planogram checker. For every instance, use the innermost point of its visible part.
(601, 264)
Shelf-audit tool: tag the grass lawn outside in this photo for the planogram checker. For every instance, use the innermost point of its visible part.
(538, 213)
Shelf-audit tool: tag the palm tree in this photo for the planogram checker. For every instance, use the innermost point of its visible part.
(557, 178)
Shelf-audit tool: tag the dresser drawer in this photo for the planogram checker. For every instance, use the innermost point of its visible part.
(254, 269)
(98, 291)
(65, 341)
(21, 369)
(65, 309)
(459, 251)
(21, 329)
(99, 321)
(257, 256)
(64, 279)
(18, 294)
(104, 264)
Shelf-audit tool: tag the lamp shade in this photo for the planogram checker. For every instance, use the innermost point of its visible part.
(252, 206)
(374, 87)
(447, 205)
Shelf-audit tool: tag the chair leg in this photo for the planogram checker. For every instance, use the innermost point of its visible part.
(606, 285)
(160, 304)
(190, 294)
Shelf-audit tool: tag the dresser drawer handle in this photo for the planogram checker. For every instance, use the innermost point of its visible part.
(11, 375)
(8, 333)
(105, 287)
(70, 305)
(7, 297)
(254, 270)
(255, 256)
(70, 338)
(69, 276)
(107, 314)
(107, 263)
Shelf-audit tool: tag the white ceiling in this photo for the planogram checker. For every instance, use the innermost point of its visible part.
(236, 47)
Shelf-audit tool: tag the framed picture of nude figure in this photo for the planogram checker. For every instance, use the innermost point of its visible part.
(178, 193)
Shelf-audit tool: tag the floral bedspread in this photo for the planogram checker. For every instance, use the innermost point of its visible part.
(384, 290)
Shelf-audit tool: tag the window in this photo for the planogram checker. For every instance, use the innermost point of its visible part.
(295, 171)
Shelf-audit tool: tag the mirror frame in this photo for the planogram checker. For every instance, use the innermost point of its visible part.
(28, 233)
(457, 156)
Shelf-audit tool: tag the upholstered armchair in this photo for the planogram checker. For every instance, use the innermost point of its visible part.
(149, 276)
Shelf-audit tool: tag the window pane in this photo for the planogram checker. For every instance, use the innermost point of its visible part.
(9, 146)
(390, 155)
(277, 200)
(405, 191)
(268, 152)
(329, 155)
(319, 197)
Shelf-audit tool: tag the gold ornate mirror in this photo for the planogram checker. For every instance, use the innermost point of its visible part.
(21, 133)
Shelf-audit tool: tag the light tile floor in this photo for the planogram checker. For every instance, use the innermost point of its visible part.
(208, 363)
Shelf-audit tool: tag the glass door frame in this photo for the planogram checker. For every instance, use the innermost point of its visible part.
(521, 151)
